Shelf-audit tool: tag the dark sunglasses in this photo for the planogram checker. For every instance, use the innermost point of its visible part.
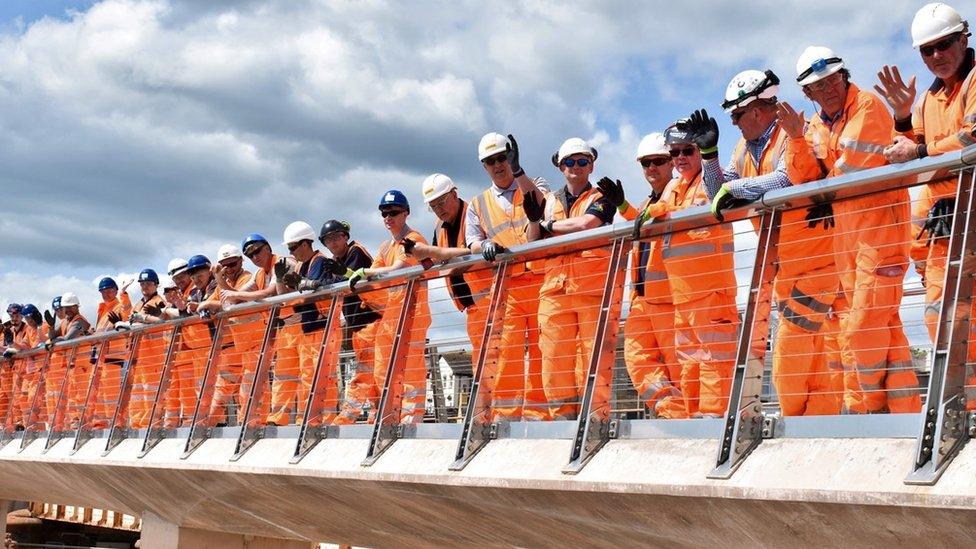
(941, 45)
(497, 159)
(294, 246)
(252, 251)
(391, 213)
(736, 116)
(571, 163)
(687, 151)
(657, 161)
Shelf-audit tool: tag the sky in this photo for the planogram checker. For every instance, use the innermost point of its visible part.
(135, 131)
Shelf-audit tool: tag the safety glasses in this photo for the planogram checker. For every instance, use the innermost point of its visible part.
(294, 246)
(497, 159)
(737, 115)
(941, 45)
(655, 161)
(687, 151)
(572, 163)
(390, 213)
(252, 251)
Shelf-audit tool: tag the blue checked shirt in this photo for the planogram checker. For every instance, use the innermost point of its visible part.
(750, 188)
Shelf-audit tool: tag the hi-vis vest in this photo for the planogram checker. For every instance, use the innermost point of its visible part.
(501, 227)
(801, 249)
(116, 348)
(580, 272)
(479, 282)
(395, 295)
(698, 261)
(647, 254)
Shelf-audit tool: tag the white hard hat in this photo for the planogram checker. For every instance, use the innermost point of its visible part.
(298, 231)
(492, 144)
(934, 21)
(436, 186)
(653, 145)
(817, 63)
(573, 145)
(69, 299)
(749, 85)
(166, 283)
(228, 251)
(176, 266)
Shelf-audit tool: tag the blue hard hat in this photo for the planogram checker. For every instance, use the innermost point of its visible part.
(56, 303)
(15, 308)
(251, 239)
(107, 283)
(29, 310)
(394, 197)
(197, 262)
(149, 275)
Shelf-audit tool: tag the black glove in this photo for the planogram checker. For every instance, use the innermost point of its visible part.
(49, 344)
(93, 357)
(612, 191)
(939, 222)
(280, 268)
(114, 317)
(154, 310)
(291, 280)
(334, 267)
(704, 132)
(309, 285)
(724, 200)
(489, 250)
(821, 212)
(513, 157)
(49, 318)
(408, 245)
(534, 210)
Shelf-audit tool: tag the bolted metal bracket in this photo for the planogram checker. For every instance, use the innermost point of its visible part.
(769, 425)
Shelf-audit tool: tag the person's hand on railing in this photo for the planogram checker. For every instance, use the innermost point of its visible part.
(899, 95)
(291, 280)
(902, 149)
(490, 250)
(820, 213)
(792, 122)
(939, 222)
(724, 200)
(333, 267)
(356, 277)
(309, 285)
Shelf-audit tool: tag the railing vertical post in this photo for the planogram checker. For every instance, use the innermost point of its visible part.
(436, 383)
(55, 430)
(117, 431)
(84, 432)
(155, 434)
(6, 425)
(387, 427)
(200, 425)
(37, 401)
(312, 430)
(250, 434)
(476, 430)
(944, 420)
(743, 417)
(593, 425)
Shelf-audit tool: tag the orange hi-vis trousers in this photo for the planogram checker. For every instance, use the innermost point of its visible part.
(805, 382)
(109, 383)
(288, 392)
(146, 375)
(651, 360)
(362, 387)
(568, 323)
(706, 335)
(29, 382)
(871, 249)
(415, 369)
(6, 388)
(518, 392)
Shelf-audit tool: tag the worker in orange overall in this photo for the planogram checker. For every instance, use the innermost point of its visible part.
(649, 351)
(115, 307)
(943, 120)
(13, 374)
(26, 370)
(72, 326)
(569, 299)
(872, 238)
(495, 221)
(806, 282)
(191, 360)
(391, 256)
(468, 290)
(148, 367)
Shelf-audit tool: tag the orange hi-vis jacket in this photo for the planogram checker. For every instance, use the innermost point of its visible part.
(478, 282)
(389, 253)
(26, 337)
(654, 288)
(121, 305)
(241, 335)
(505, 228)
(699, 261)
(578, 272)
(801, 249)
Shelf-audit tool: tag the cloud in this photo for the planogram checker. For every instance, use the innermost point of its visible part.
(138, 130)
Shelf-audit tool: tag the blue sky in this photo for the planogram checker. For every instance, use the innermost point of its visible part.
(134, 131)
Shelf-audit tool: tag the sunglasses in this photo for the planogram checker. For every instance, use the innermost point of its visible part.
(252, 251)
(736, 116)
(294, 246)
(572, 163)
(656, 161)
(941, 45)
(687, 151)
(497, 159)
(391, 213)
